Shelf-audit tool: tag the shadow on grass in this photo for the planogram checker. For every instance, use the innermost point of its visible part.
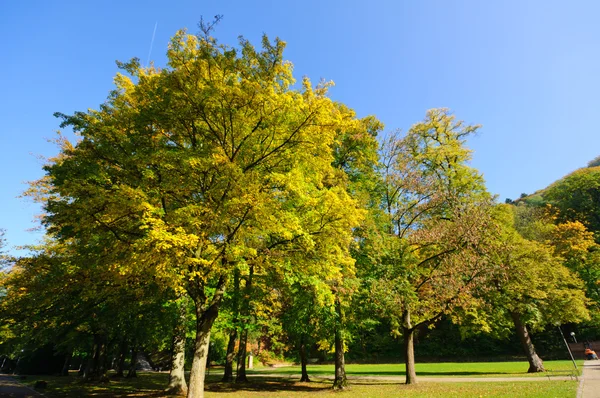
(268, 384)
(145, 385)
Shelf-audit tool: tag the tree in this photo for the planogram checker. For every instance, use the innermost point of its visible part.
(531, 287)
(577, 196)
(437, 219)
(594, 162)
(212, 161)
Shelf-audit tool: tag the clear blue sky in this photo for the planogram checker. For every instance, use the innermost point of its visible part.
(528, 71)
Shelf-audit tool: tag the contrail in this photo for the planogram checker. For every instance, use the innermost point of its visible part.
(151, 43)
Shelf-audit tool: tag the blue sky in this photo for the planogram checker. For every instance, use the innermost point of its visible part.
(528, 71)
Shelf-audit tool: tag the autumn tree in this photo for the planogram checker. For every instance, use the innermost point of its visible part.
(531, 287)
(433, 241)
(212, 161)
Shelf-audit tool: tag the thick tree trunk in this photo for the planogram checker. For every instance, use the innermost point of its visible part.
(535, 362)
(303, 358)
(66, 364)
(228, 371)
(204, 322)
(242, 350)
(340, 381)
(177, 384)
(133, 365)
(409, 348)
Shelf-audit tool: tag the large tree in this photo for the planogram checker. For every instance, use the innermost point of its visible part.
(531, 287)
(435, 222)
(212, 161)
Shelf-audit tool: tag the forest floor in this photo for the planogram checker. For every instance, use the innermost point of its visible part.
(461, 380)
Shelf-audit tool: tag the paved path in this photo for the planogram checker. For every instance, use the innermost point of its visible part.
(10, 387)
(590, 383)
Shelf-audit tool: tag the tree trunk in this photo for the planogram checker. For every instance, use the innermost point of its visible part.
(303, 358)
(96, 366)
(228, 371)
(241, 377)
(177, 384)
(66, 364)
(102, 361)
(340, 381)
(409, 348)
(132, 366)
(535, 362)
(120, 367)
(241, 371)
(204, 322)
(148, 358)
(90, 366)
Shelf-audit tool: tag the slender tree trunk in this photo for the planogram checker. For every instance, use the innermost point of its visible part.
(228, 371)
(89, 365)
(132, 366)
(120, 366)
(303, 358)
(102, 361)
(67, 364)
(409, 348)
(340, 381)
(535, 362)
(241, 377)
(177, 384)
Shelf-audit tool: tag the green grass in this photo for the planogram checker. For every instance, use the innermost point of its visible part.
(546, 389)
(285, 384)
(445, 369)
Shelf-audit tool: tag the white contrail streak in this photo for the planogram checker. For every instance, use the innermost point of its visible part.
(151, 44)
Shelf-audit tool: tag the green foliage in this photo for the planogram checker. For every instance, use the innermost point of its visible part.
(577, 196)
(428, 250)
(532, 279)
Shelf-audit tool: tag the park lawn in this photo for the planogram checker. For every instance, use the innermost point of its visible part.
(442, 369)
(523, 389)
(151, 385)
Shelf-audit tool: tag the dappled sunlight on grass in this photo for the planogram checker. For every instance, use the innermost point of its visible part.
(282, 382)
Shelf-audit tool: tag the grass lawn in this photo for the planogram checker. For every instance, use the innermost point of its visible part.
(453, 369)
(151, 384)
